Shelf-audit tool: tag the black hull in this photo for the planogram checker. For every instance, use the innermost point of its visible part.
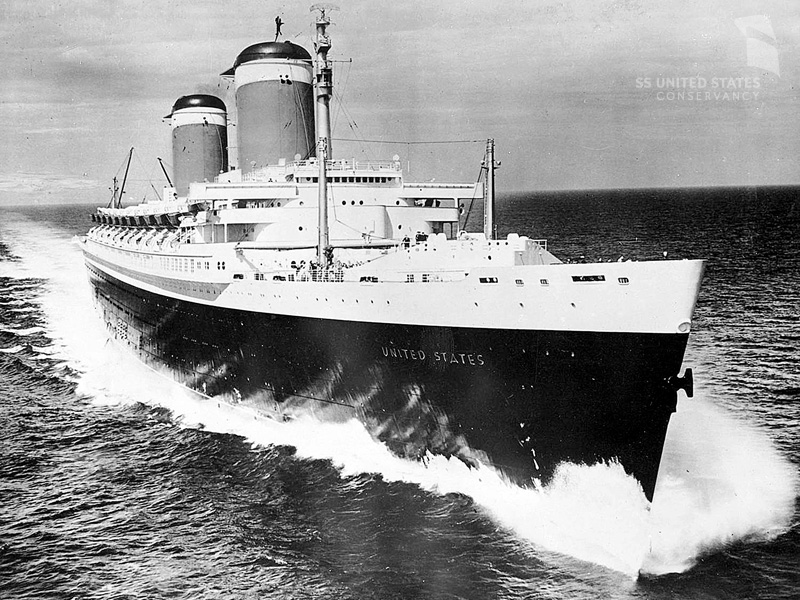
(524, 401)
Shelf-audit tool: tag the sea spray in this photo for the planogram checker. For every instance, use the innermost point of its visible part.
(721, 481)
(51, 255)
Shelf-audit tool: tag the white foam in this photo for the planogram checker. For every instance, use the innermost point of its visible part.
(596, 514)
(24, 309)
(721, 479)
(50, 254)
(22, 331)
(12, 349)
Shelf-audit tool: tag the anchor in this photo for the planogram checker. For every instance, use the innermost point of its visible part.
(685, 383)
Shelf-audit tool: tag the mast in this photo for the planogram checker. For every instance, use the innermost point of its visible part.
(488, 196)
(164, 170)
(124, 179)
(114, 191)
(324, 88)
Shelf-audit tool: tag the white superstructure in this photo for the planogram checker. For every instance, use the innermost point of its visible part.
(398, 257)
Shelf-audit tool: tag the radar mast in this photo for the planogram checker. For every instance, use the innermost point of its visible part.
(323, 83)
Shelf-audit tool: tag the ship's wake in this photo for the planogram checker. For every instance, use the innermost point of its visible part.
(721, 480)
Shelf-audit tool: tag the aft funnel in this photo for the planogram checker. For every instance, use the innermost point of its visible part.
(199, 140)
(274, 103)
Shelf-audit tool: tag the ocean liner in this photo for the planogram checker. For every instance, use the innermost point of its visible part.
(301, 283)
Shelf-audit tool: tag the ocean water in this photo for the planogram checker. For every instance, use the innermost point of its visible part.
(116, 483)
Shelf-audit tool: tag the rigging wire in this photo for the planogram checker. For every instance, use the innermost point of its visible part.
(148, 177)
(352, 124)
(472, 200)
(340, 96)
(122, 165)
(154, 189)
(298, 99)
(223, 151)
(117, 199)
(413, 142)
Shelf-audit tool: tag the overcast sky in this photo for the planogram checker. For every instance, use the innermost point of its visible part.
(569, 89)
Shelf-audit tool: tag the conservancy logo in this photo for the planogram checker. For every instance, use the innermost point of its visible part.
(762, 52)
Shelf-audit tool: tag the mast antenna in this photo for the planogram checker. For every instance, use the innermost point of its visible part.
(324, 8)
(323, 84)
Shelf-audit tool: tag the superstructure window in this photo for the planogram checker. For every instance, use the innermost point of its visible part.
(487, 279)
(624, 280)
(588, 278)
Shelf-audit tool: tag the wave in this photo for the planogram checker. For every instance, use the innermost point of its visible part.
(721, 481)
(12, 349)
(23, 331)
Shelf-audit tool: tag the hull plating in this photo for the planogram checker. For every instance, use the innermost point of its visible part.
(523, 401)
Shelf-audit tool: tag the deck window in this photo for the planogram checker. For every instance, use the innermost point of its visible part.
(588, 278)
